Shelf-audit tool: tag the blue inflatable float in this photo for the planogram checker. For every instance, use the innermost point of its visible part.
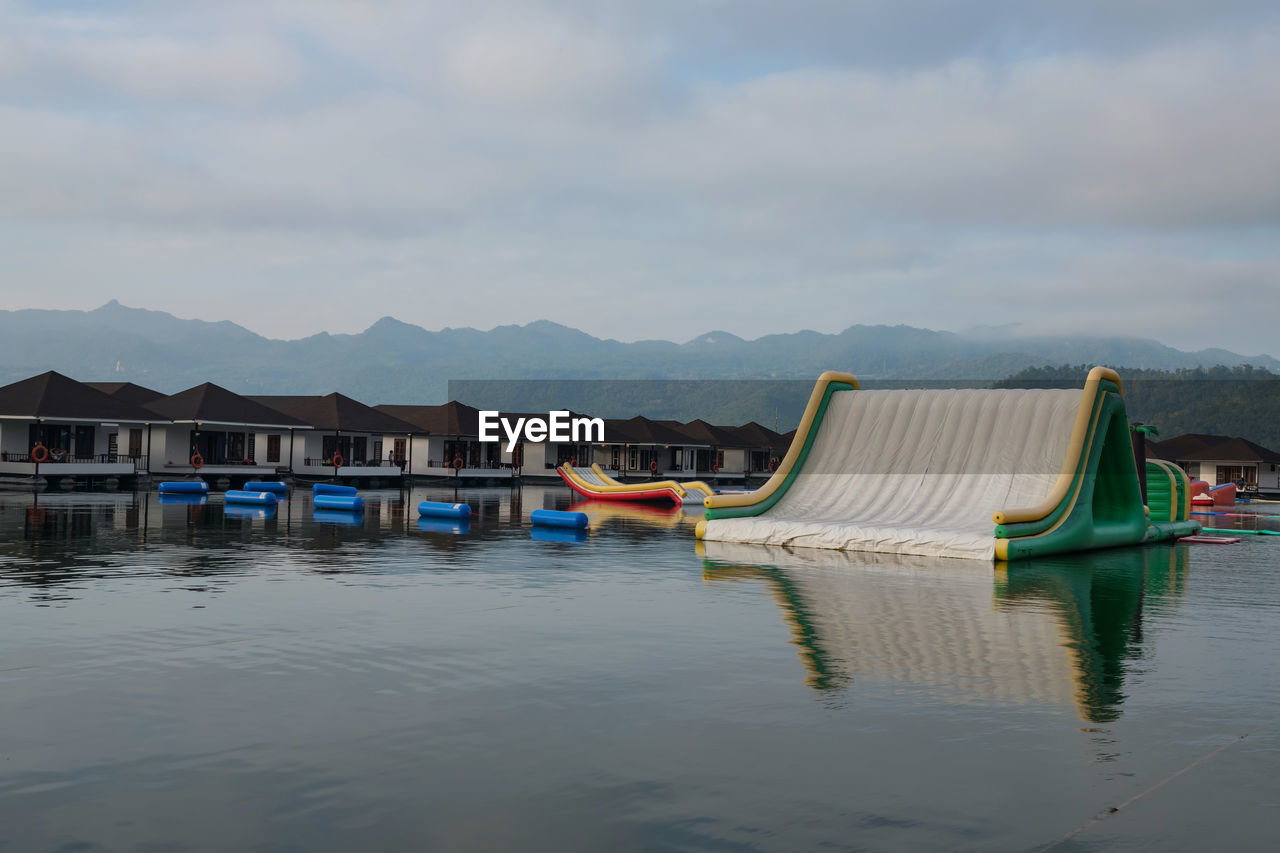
(236, 496)
(250, 512)
(334, 516)
(558, 534)
(185, 487)
(182, 498)
(345, 503)
(456, 526)
(556, 518)
(434, 509)
(267, 486)
(332, 489)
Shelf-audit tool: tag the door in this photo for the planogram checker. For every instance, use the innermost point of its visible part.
(84, 442)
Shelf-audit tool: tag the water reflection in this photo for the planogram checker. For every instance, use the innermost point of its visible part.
(1056, 631)
(51, 539)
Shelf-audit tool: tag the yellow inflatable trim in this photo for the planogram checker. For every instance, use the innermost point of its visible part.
(688, 487)
(793, 452)
(622, 487)
(1080, 434)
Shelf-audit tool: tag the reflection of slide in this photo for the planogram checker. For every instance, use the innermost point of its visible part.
(596, 484)
(663, 516)
(926, 472)
(1053, 631)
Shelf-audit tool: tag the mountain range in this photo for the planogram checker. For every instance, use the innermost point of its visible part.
(397, 362)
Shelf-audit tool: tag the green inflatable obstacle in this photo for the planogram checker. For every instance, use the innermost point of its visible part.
(917, 472)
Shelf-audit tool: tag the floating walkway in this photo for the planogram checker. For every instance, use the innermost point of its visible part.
(594, 483)
(979, 474)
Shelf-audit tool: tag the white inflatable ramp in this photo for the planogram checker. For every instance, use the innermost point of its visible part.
(981, 474)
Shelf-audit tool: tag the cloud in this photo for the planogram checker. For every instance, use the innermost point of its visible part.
(901, 162)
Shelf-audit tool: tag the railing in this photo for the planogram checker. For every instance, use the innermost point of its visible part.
(65, 458)
(437, 463)
(222, 463)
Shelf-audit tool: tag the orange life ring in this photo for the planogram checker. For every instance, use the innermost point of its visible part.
(773, 464)
(457, 462)
(197, 461)
(39, 453)
(573, 463)
(338, 460)
(653, 466)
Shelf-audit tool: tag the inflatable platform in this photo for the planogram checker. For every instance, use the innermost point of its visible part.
(998, 474)
(1202, 494)
(594, 483)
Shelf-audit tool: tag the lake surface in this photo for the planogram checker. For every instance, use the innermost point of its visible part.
(173, 678)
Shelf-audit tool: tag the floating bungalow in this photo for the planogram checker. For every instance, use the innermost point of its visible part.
(640, 448)
(1221, 459)
(126, 429)
(347, 439)
(54, 429)
(218, 433)
(446, 443)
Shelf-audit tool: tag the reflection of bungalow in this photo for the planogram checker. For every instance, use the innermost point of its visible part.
(1219, 459)
(228, 434)
(370, 444)
(447, 442)
(85, 432)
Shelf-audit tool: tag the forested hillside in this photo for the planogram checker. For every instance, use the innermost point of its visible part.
(1237, 401)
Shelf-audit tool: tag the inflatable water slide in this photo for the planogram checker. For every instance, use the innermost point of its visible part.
(983, 474)
(594, 483)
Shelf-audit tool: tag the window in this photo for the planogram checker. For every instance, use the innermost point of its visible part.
(398, 453)
(1247, 474)
(236, 447)
(135, 442)
(273, 448)
(252, 452)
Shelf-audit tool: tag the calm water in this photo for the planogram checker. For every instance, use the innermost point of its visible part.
(172, 678)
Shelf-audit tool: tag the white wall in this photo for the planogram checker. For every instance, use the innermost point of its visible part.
(170, 443)
(13, 436)
(1268, 476)
(735, 461)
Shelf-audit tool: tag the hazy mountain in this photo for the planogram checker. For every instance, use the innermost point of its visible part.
(397, 362)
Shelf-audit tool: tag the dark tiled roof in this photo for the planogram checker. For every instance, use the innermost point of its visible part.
(641, 430)
(52, 395)
(1234, 450)
(127, 391)
(702, 432)
(754, 435)
(453, 418)
(1181, 446)
(337, 412)
(215, 404)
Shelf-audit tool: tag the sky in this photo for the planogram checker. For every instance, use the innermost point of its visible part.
(650, 170)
